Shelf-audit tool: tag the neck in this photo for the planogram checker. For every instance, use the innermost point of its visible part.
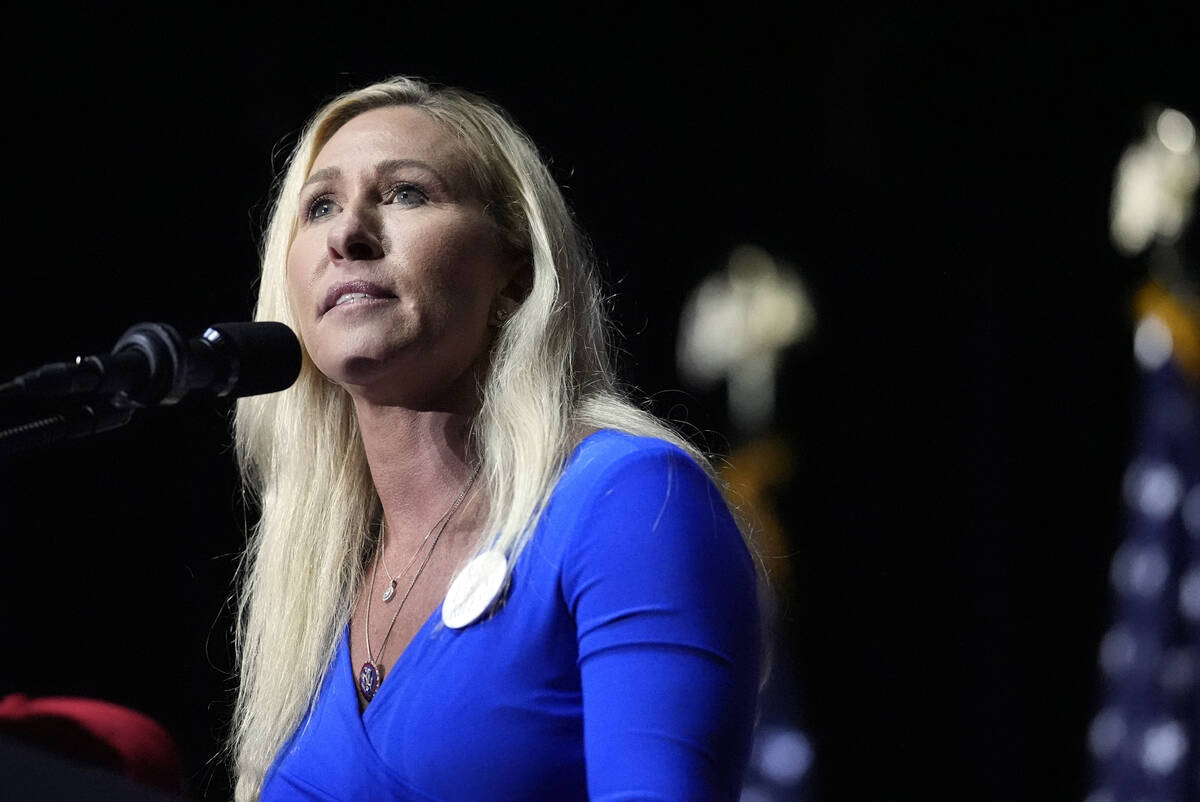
(419, 464)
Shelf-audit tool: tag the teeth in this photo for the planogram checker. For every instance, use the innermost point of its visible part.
(350, 296)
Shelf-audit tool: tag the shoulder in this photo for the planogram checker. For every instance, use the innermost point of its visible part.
(608, 459)
(626, 501)
(650, 551)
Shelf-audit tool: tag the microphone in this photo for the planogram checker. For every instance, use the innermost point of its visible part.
(151, 364)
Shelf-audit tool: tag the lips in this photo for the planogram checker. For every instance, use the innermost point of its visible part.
(353, 292)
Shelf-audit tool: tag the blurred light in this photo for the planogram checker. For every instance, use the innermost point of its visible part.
(1140, 570)
(1179, 671)
(736, 324)
(1191, 512)
(1101, 795)
(1154, 186)
(785, 756)
(1117, 651)
(1106, 733)
(1189, 594)
(1175, 131)
(1152, 342)
(1153, 489)
(1163, 746)
(753, 794)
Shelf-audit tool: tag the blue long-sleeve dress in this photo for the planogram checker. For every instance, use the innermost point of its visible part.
(623, 662)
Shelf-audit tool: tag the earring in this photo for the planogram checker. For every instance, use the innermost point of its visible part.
(501, 315)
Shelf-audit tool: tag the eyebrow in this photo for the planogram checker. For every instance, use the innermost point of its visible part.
(385, 166)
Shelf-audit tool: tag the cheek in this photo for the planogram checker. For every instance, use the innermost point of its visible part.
(298, 284)
(480, 259)
(299, 279)
(462, 271)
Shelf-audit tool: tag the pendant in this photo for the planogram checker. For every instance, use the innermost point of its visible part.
(369, 679)
(390, 592)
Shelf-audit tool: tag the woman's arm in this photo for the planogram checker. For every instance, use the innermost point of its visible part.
(664, 597)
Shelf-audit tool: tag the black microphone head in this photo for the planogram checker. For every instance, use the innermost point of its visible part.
(263, 357)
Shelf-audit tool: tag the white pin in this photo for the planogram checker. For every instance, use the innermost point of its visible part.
(474, 589)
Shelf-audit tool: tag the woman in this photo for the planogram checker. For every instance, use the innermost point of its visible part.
(480, 572)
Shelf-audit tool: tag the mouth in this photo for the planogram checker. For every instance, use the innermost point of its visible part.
(352, 293)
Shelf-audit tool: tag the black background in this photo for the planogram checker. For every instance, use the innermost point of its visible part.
(961, 415)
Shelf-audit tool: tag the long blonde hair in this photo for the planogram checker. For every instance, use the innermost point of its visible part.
(550, 381)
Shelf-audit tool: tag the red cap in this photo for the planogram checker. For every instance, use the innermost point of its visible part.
(96, 732)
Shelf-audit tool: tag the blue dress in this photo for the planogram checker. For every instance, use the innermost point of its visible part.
(622, 664)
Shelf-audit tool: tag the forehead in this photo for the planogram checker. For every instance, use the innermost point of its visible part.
(393, 132)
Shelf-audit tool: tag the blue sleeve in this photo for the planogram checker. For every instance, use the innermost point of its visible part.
(664, 597)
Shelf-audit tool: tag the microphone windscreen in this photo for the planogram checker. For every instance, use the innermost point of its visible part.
(264, 357)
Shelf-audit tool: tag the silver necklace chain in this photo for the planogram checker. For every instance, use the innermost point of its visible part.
(381, 556)
(371, 675)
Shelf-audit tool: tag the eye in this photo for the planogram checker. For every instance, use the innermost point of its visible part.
(406, 195)
(320, 206)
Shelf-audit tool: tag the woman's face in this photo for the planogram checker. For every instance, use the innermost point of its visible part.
(396, 266)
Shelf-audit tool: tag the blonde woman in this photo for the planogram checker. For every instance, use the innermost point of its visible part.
(479, 572)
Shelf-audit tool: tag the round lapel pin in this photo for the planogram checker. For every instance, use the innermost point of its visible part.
(474, 590)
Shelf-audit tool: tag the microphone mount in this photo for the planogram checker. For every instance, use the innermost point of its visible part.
(150, 365)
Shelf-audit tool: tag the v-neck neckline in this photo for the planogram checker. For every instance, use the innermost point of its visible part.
(421, 634)
(417, 639)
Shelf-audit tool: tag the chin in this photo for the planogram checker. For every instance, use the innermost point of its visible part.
(428, 387)
(360, 370)
(354, 358)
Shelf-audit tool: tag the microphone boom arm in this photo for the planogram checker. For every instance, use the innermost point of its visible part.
(152, 364)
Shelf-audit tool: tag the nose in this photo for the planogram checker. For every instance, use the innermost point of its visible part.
(355, 236)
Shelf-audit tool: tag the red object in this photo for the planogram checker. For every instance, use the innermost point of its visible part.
(96, 732)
